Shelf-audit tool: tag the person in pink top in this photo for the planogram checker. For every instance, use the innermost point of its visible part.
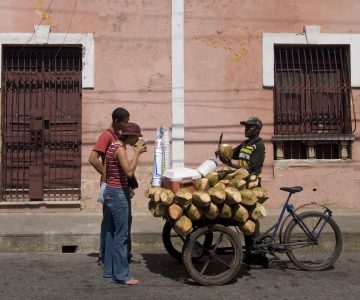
(120, 117)
(117, 203)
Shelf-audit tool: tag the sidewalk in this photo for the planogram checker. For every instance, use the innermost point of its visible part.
(79, 231)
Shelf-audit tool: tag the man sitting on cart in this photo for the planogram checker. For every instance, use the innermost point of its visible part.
(250, 155)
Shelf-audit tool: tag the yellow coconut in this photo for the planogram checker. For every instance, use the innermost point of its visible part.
(248, 228)
(217, 195)
(213, 178)
(233, 196)
(211, 211)
(258, 212)
(201, 198)
(226, 152)
(248, 197)
(194, 213)
(241, 173)
(183, 226)
(225, 211)
(202, 184)
(240, 213)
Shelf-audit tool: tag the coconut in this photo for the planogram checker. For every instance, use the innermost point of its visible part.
(248, 197)
(201, 198)
(253, 184)
(157, 194)
(233, 196)
(261, 194)
(248, 228)
(238, 183)
(213, 178)
(241, 173)
(258, 212)
(220, 185)
(151, 206)
(150, 191)
(211, 211)
(202, 184)
(225, 211)
(225, 181)
(226, 152)
(194, 213)
(175, 211)
(240, 213)
(183, 197)
(229, 176)
(167, 197)
(183, 226)
(160, 210)
(217, 195)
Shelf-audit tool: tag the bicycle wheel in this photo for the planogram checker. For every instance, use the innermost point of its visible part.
(220, 261)
(318, 254)
(174, 242)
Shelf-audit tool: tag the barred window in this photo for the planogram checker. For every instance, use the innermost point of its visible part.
(312, 112)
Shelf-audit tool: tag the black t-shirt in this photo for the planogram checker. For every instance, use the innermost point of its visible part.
(257, 156)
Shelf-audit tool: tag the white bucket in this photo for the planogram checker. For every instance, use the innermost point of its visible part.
(207, 167)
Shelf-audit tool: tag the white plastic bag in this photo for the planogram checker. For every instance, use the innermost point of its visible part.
(100, 197)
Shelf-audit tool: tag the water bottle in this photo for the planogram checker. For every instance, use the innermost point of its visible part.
(207, 167)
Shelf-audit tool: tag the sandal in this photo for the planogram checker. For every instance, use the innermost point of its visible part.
(131, 281)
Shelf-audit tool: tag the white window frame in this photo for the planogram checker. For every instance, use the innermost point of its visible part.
(43, 36)
(310, 36)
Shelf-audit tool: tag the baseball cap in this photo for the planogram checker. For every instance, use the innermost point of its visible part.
(131, 129)
(252, 121)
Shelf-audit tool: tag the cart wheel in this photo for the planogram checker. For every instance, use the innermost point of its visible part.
(220, 262)
(174, 242)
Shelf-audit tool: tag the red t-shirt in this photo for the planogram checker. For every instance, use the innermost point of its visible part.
(115, 175)
(105, 140)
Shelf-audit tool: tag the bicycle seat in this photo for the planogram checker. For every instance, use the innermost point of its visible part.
(292, 190)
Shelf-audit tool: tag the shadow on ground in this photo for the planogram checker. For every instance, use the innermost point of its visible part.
(165, 265)
(168, 267)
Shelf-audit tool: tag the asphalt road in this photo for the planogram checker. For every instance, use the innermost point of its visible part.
(77, 276)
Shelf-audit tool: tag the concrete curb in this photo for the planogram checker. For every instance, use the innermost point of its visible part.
(79, 232)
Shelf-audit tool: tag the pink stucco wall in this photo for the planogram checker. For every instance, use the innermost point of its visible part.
(223, 77)
(223, 53)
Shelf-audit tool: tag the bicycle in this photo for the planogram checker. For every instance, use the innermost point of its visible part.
(306, 232)
(212, 252)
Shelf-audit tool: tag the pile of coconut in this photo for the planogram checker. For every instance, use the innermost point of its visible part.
(226, 194)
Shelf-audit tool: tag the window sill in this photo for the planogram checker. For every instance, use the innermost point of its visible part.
(287, 163)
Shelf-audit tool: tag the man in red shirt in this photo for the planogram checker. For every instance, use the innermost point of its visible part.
(120, 117)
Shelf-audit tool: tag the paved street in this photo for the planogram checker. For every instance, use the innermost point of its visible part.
(77, 276)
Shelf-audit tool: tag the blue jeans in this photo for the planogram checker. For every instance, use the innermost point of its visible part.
(116, 219)
(103, 234)
(102, 237)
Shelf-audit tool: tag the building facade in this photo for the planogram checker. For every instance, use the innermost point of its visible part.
(198, 67)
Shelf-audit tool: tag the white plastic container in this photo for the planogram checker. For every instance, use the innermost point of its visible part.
(181, 173)
(207, 167)
(157, 164)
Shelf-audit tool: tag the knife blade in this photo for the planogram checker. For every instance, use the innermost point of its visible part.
(220, 140)
(217, 153)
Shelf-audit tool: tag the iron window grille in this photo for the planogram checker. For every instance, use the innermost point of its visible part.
(312, 107)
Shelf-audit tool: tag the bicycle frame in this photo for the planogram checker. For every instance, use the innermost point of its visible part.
(272, 245)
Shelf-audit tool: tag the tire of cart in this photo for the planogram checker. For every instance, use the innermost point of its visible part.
(220, 261)
(174, 242)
